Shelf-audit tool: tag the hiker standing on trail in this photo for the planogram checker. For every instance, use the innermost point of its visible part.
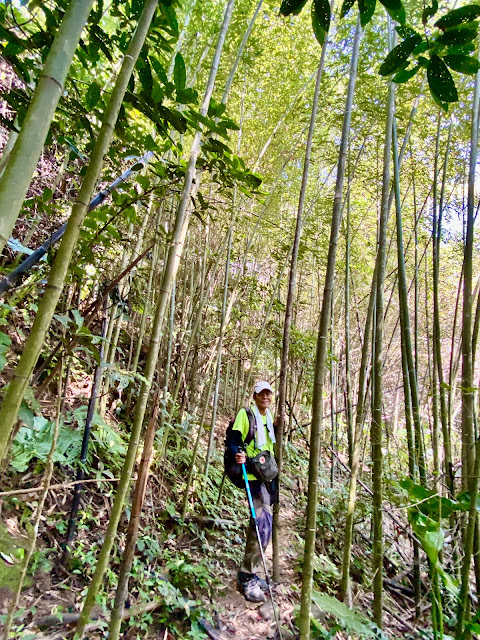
(251, 437)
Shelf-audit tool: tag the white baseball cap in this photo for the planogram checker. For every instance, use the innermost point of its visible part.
(261, 386)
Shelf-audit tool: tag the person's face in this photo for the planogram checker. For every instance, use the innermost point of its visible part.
(263, 399)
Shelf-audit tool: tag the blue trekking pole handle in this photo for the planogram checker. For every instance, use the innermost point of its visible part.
(249, 493)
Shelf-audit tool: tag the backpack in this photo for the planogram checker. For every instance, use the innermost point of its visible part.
(232, 469)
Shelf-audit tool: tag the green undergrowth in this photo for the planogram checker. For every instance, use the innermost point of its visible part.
(186, 562)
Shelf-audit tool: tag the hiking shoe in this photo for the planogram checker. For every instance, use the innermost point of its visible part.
(261, 583)
(253, 592)
(248, 585)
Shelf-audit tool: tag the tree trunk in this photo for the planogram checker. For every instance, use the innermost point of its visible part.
(170, 272)
(317, 403)
(219, 355)
(77, 491)
(29, 145)
(33, 346)
(377, 374)
(470, 452)
(289, 310)
(134, 524)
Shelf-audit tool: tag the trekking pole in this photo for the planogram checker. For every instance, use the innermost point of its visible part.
(254, 518)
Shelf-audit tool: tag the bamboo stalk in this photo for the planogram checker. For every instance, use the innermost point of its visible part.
(405, 316)
(376, 433)
(133, 524)
(317, 403)
(219, 353)
(292, 280)
(96, 387)
(169, 275)
(29, 144)
(470, 448)
(33, 346)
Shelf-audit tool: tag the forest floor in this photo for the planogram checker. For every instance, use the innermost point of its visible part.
(249, 621)
(191, 556)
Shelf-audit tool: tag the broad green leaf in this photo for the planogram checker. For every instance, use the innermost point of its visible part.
(346, 6)
(367, 9)
(322, 11)
(175, 118)
(318, 30)
(292, 6)
(157, 93)
(159, 70)
(179, 72)
(405, 74)
(145, 75)
(440, 81)
(461, 50)
(399, 55)
(215, 110)
(78, 318)
(458, 36)
(430, 534)
(450, 583)
(5, 343)
(92, 96)
(63, 319)
(171, 17)
(187, 96)
(422, 47)
(404, 31)
(458, 16)
(394, 5)
(395, 10)
(462, 64)
(348, 618)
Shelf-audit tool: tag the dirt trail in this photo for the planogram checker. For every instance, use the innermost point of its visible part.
(242, 620)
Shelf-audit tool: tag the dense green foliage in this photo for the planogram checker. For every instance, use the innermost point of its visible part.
(183, 345)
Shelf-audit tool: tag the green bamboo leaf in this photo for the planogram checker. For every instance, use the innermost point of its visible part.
(175, 118)
(318, 30)
(393, 5)
(404, 31)
(458, 16)
(346, 6)
(462, 64)
(171, 17)
(367, 9)
(440, 80)
(159, 70)
(422, 47)
(399, 55)
(458, 36)
(179, 72)
(187, 96)
(92, 96)
(321, 8)
(395, 9)
(461, 49)
(292, 7)
(405, 74)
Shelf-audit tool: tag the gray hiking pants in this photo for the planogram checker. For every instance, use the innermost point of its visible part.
(262, 502)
